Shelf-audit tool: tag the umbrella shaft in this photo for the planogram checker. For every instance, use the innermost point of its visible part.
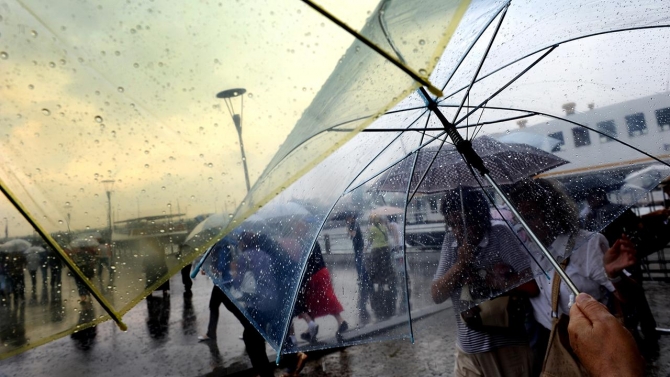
(532, 235)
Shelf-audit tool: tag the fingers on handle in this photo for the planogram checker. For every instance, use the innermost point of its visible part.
(593, 310)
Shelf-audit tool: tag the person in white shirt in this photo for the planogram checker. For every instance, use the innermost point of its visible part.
(594, 267)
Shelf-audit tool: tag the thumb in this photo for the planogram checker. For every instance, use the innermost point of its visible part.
(579, 319)
(593, 310)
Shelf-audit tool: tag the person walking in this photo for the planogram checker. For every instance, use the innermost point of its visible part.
(382, 274)
(589, 261)
(354, 230)
(613, 220)
(32, 265)
(222, 257)
(472, 256)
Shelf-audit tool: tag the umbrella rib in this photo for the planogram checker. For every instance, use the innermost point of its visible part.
(425, 172)
(387, 35)
(409, 185)
(481, 186)
(433, 138)
(481, 126)
(485, 102)
(609, 136)
(637, 28)
(442, 128)
(533, 113)
(481, 64)
(349, 188)
(415, 76)
(474, 42)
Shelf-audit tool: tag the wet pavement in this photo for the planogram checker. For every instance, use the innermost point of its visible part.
(162, 341)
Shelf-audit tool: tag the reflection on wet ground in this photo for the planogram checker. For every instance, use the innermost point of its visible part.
(38, 304)
(162, 338)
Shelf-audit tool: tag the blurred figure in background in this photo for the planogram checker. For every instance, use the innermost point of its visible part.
(106, 259)
(55, 264)
(470, 270)
(316, 297)
(15, 265)
(33, 260)
(356, 236)
(613, 221)
(589, 261)
(383, 294)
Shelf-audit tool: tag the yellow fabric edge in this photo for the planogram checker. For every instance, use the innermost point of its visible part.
(69, 262)
(51, 338)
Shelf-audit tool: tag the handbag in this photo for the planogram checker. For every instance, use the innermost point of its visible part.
(500, 314)
(560, 360)
(248, 286)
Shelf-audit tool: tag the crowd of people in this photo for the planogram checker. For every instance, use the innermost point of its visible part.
(483, 259)
(481, 263)
(18, 258)
(511, 310)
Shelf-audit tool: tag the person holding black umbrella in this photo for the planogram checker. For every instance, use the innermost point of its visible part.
(479, 261)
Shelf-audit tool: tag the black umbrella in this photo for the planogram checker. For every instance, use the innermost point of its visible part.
(442, 169)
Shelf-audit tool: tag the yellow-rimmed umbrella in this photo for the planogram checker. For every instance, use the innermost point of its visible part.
(111, 123)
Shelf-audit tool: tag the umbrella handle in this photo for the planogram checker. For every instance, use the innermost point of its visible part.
(198, 266)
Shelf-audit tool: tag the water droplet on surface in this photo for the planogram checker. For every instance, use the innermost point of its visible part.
(120, 89)
(423, 72)
(136, 65)
(33, 33)
(52, 64)
(422, 42)
(31, 86)
(146, 166)
(46, 112)
(4, 55)
(98, 118)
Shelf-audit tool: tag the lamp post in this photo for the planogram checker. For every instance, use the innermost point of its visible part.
(109, 184)
(68, 208)
(228, 96)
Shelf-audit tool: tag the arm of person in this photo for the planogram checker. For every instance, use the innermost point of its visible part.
(444, 285)
(658, 213)
(602, 344)
(618, 257)
(529, 289)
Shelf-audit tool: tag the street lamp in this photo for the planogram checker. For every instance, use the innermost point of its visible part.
(228, 96)
(68, 208)
(109, 184)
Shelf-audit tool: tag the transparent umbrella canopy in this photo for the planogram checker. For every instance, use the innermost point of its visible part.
(112, 124)
(587, 75)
